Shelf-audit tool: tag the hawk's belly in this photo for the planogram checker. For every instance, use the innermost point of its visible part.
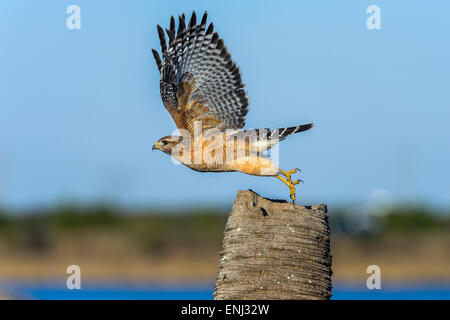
(257, 166)
(204, 167)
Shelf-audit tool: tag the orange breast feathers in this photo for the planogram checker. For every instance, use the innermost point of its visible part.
(217, 152)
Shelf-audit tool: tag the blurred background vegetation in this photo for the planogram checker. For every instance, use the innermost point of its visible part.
(408, 242)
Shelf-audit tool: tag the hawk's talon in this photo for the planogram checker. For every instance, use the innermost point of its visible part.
(287, 174)
(288, 181)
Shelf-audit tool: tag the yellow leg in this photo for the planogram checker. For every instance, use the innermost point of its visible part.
(290, 184)
(287, 174)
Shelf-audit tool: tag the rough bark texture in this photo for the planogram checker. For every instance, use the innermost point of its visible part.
(274, 250)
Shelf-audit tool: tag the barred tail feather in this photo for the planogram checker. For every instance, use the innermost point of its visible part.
(264, 139)
(279, 134)
(284, 132)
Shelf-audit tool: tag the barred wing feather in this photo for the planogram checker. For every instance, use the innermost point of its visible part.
(199, 80)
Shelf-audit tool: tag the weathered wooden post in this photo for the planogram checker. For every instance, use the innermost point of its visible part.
(274, 250)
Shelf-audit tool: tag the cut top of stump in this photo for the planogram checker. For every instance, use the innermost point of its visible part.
(274, 249)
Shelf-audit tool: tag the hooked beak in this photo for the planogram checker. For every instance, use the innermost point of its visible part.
(155, 146)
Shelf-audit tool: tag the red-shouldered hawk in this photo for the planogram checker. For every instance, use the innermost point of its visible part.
(202, 89)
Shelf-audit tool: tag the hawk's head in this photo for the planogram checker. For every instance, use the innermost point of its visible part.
(167, 143)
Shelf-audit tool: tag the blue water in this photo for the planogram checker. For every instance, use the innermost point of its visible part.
(424, 291)
(204, 291)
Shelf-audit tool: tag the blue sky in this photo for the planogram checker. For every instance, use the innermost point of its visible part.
(80, 109)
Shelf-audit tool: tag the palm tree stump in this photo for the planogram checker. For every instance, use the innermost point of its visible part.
(274, 250)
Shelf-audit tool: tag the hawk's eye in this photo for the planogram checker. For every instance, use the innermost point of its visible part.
(164, 142)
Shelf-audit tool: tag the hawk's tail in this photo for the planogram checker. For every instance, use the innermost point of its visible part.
(280, 133)
(273, 136)
(284, 132)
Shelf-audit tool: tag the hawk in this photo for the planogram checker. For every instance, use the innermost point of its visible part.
(202, 89)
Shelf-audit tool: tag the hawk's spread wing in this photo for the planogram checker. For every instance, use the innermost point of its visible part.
(199, 81)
